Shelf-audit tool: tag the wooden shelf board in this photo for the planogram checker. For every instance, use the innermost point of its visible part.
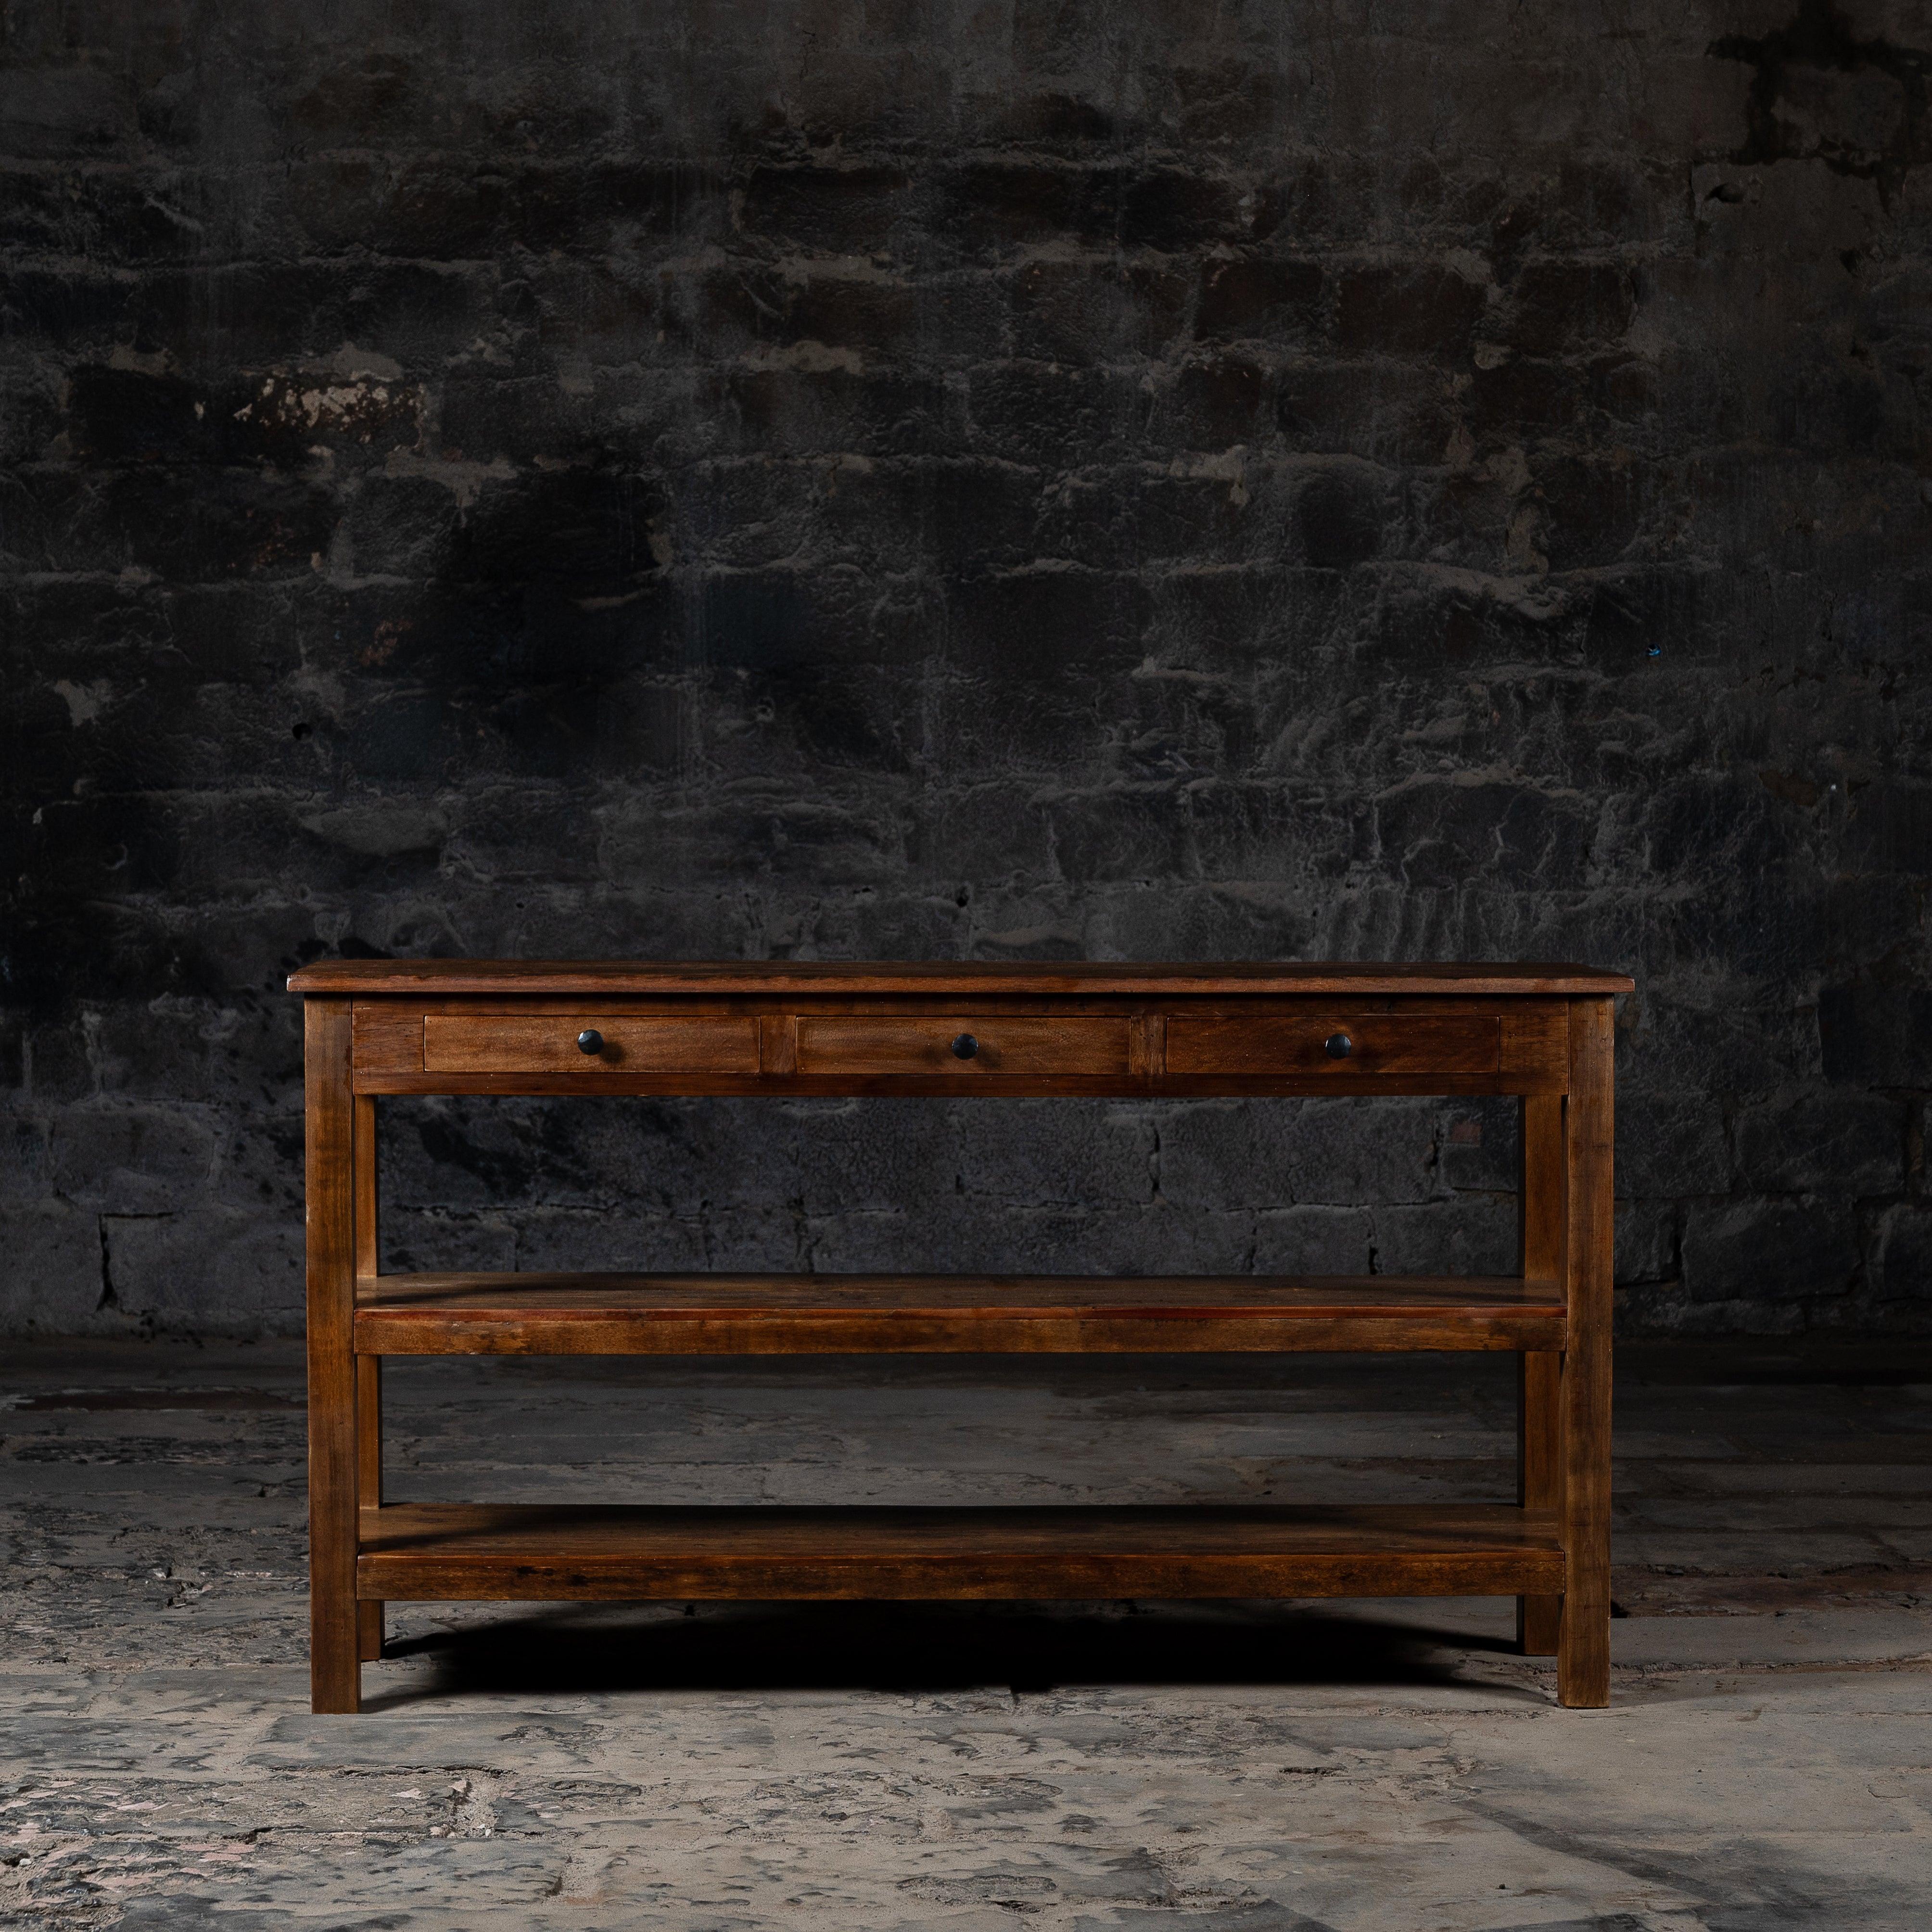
(499, 1552)
(663, 1314)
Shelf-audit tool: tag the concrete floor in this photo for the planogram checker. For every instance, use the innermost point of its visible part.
(1767, 1760)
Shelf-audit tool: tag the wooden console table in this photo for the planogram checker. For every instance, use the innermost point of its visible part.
(375, 1027)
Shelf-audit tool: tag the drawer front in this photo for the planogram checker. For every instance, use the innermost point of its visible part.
(531, 1043)
(1030, 1047)
(1378, 1044)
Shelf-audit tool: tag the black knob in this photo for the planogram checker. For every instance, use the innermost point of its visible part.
(1339, 1046)
(590, 1041)
(964, 1047)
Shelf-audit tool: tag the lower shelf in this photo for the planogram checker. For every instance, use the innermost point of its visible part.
(598, 1553)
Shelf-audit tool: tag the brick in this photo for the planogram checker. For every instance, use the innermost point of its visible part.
(1445, 832)
(847, 211)
(1313, 1240)
(1085, 312)
(1647, 1244)
(1732, 1250)
(994, 206)
(1559, 306)
(1417, 310)
(51, 1285)
(1233, 99)
(828, 409)
(1340, 515)
(1055, 417)
(1172, 210)
(123, 1159)
(1269, 1154)
(210, 1271)
(1844, 1143)
(1047, 1154)
(1904, 1257)
(1881, 1034)
(1671, 1144)
(1477, 1145)
(1471, 1235)
(61, 110)
(1381, 412)
(1260, 296)
(1888, 828)
(1214, 405)
(1594, 511)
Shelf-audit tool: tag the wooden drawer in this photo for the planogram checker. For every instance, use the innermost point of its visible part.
(1069, 1048)
(1260, 1045)
(533, 1043)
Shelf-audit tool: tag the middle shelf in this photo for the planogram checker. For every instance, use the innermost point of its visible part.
(536, 1314)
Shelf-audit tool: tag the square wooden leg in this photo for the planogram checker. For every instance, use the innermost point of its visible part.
(334, 1672)
(1540, 1198)
(1539, 1481)
(369, 1462)
(1583, 1641)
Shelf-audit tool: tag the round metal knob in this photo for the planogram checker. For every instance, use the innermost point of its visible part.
(1339, 1046)
(964, 1047)
(590, 1041)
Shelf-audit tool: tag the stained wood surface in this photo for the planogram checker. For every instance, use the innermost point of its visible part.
(329, 1143)
(821, 1044)
(608, 1552)
(1540, 1183)
(1583, 1641)
(369, 1631)
(642, 1314)
(1004, 1048)
(731, 977)
(1260, 1045)
(368, 1368)
(522, 1043)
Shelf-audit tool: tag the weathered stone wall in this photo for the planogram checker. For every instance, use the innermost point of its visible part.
(1004, 478)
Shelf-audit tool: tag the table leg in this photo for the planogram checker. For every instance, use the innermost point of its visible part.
(1539, 1375)
(334, 1673)
(1583, 1645)
(369, 1631)
(369, 1472)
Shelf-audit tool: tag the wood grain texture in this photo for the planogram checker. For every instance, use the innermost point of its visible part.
(1003, 1048)
(938, 1084)
(1260, 1045)
(1539, 1374)
(1583, 1645)
(390, 1034)
(334, 1673)
(522, 1043)
(591, 1314)
(593, 1553)
(368, 1257)
(1535, 1047)
(369, 1633)
(1237, 978)
(368, 1368)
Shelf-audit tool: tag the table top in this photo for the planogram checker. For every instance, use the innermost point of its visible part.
(1223, 979)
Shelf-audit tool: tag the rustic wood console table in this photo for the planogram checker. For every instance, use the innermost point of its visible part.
(375, 1027)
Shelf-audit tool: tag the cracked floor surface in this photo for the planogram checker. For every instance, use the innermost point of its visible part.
(1766, 1761)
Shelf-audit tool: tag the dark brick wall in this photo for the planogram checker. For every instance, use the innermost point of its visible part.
(1018, 479)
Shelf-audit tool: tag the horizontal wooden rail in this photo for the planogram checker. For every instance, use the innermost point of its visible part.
(830, 1314)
